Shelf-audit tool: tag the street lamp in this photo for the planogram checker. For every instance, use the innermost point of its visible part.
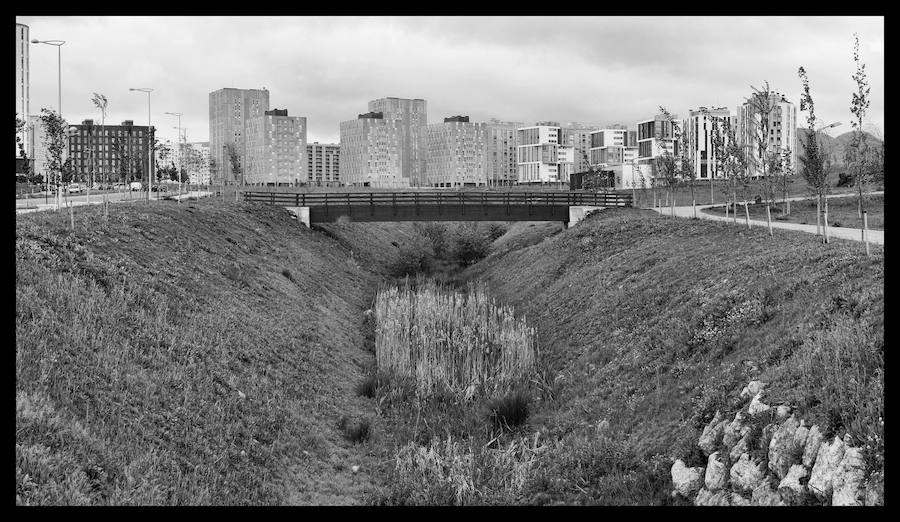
(58, 44)
(149, 142)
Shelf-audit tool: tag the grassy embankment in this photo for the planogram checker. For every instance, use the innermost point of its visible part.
(842, 212)
(192, 354)
(650, 325)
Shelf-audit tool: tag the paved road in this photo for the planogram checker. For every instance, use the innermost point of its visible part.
(875, 236)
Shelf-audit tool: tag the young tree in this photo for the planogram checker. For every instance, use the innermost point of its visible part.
(101, 103)
(55, 130)
(814, 158)
(235, 160)
(857, 154)
(787, 172)
(762, 106)
(666, 162)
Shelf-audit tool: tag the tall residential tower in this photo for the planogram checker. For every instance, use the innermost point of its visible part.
(229, 111)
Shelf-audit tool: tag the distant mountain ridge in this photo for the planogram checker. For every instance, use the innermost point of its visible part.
(835, 144)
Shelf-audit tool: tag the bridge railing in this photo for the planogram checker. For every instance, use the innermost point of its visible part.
(356, 199)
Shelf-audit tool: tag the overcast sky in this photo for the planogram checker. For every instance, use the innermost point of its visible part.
(599, 70)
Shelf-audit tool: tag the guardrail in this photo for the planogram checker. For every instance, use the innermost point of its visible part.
(357, 199)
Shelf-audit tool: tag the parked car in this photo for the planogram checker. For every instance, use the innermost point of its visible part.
(74, 188)
(160, 188)
(136, 185)
(119, 186)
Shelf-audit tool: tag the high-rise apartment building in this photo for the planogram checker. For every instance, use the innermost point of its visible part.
(386, 146)
(110, 153)
(229, 111)
(612, 147)
(323, 163)
(654, 138)
(456, 153)
(411, 118)
(782, 130)
(700, 127)
(197, 162)
(543, 154)
(22, 80)
(579, 137)
(501, 155)
(276, 149)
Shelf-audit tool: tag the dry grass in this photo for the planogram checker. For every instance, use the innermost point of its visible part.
(464, 342)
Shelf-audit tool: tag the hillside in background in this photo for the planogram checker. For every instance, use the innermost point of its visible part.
(836, 145)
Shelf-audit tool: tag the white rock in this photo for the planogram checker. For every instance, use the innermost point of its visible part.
(354, 469)
(687, 481)
(757, 406)
(738, 500)
(708, 498)
(716, 473)
(875, 489)
(782, 451)
(764, 495)
(242, 395)
(813, 441)
(782, 411)
(827, 461)
(712, 433)
(742, 446)
(800, 437)
(752, 389)
(791, 490)
(745, 474)
(734, 430)
(848, 481)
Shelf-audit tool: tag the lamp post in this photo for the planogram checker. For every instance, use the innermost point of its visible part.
(58, 44)
(149, 141)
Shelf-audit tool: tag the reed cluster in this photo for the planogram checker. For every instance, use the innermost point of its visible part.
(447, 340)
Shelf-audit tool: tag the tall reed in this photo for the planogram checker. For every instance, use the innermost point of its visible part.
(461, 341)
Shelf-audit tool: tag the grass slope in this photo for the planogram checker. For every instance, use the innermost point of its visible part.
(842, 212)
(192, 354)
(652, 324)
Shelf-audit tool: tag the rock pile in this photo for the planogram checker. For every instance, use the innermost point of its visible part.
(768, 456)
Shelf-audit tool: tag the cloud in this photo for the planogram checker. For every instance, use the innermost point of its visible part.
(589, 69)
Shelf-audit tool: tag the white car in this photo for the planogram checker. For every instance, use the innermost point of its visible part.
(75, 188)
(136, 185)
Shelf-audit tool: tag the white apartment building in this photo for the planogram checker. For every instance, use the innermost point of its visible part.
(197, 164)
(323, 163)
(543, 154)
(782, 130)
(37, 144)
(501, 158)
(370, 152)
(229, 111)
(276, 149)
(457, 153)
(22, 81)
(410, 116)
(699, 128)
(612, 147)
(654, 138)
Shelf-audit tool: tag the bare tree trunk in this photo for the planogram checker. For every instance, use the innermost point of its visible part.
(825, 220)
(866, 231)
(747, 212)
(693, 199)
(726, 210)
(734, 204)
(819, 215)
(711, 197)
(769, 219)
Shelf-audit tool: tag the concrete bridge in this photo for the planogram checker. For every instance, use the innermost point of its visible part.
(565, 206)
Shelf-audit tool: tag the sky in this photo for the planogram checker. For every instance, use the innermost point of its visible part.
(596, 70)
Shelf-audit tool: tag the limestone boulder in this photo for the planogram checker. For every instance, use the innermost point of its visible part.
(765, 495)
(811, 448)
(753, 388)
(738, 500)
(848, 482)
(712, 434)
(782, 412)
(783, 448)
(708, 498)
(740, 447)
(790, 488)
(745, 474)
(757, 406)
(735, 430)
(686, 481)
(716, 473)
(828, 459)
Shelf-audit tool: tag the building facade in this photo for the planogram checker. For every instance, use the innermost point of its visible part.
(230, 110)
(655, 137)
(700, 127)
(110, 153)
(782, 130)
(197, 162)
(23, 108)
(501, 154)
(323, 163)
(456, 153)
(543, 154)
(612, 147)
(579, 138)
(276, 149)
(410, 118)
(37, 145)
(370, 152)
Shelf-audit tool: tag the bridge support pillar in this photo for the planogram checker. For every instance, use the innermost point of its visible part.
(301, 213)
(577, 213)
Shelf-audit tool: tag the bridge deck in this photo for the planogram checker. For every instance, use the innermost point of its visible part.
(441, 206)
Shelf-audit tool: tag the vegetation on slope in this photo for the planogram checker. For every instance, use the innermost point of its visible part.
(192, 354)
(651, 324)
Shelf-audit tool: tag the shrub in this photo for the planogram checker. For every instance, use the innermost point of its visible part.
(355, 431)
(368, 386)
(461, 341)
(509, 411)
(470, 244)
(414, 257)
(496, 230)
